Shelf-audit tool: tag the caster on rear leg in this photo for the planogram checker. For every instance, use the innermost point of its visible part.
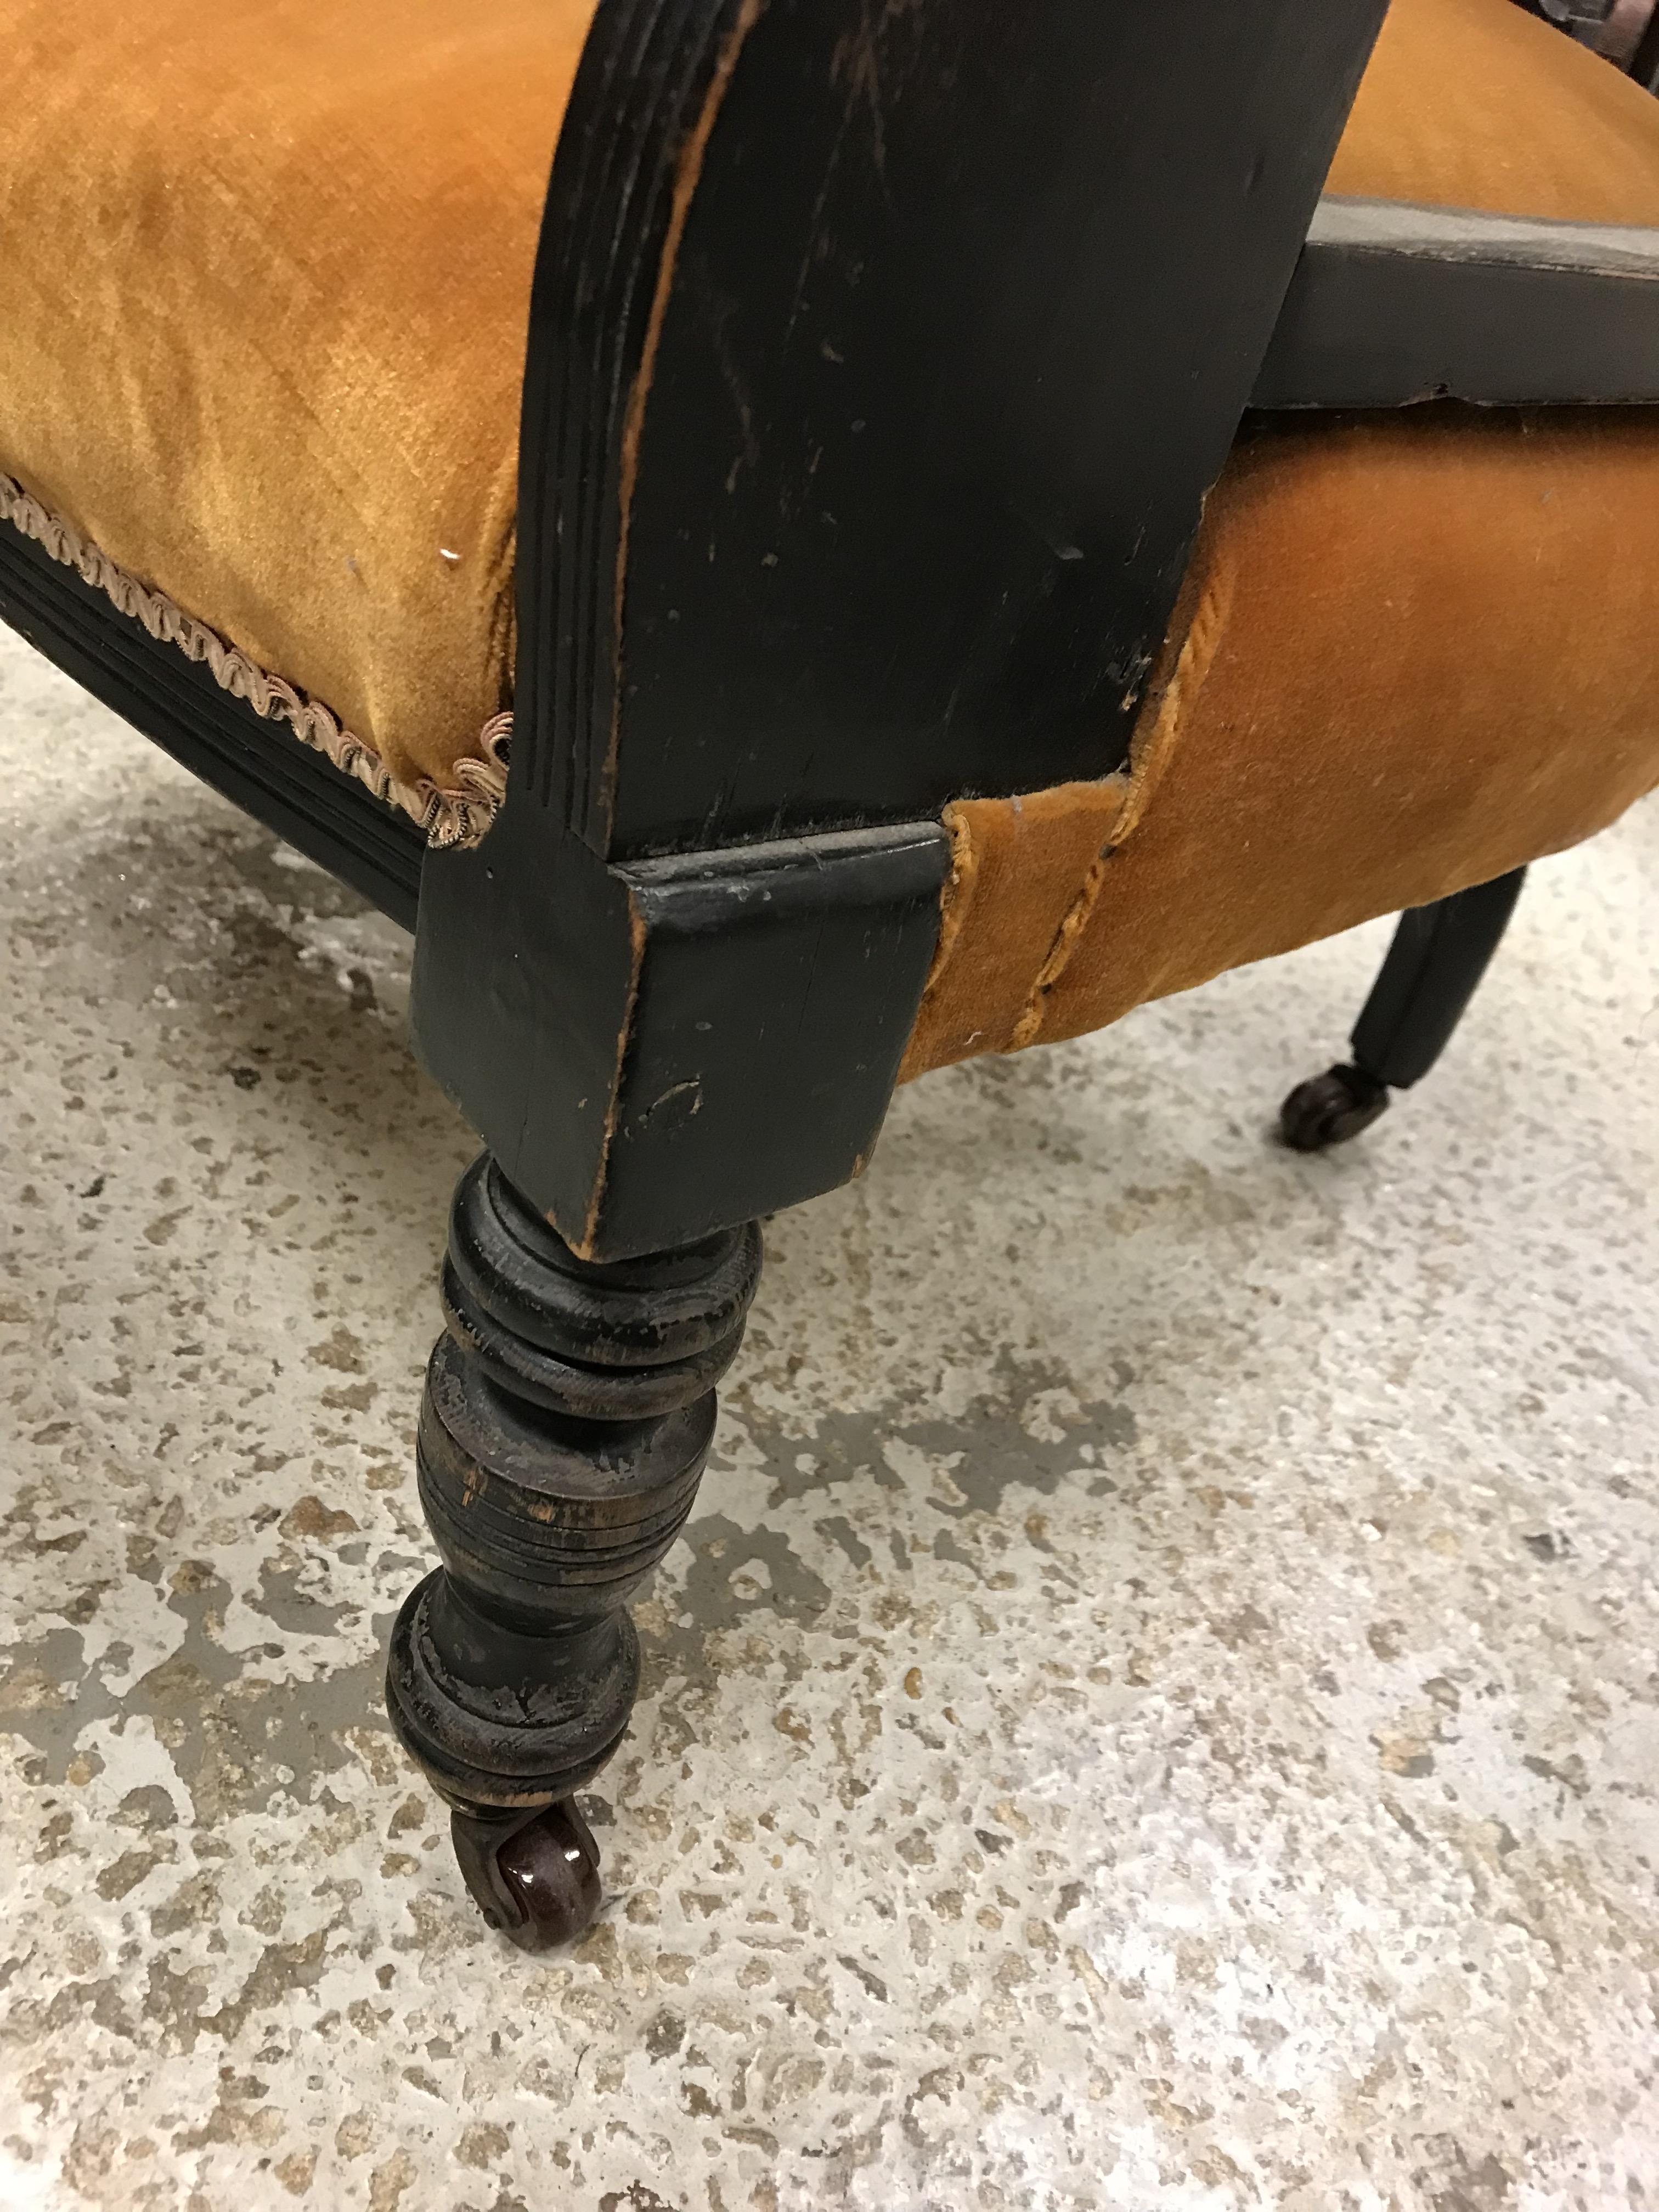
(535, 1879)
(1329, 1108)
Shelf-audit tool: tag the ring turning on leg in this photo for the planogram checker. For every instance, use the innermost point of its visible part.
(567, 1414)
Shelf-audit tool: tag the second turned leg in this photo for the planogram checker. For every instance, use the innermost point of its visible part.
(567, 1414)
(1438, 957)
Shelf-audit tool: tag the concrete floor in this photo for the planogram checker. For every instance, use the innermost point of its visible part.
(1159, 1707)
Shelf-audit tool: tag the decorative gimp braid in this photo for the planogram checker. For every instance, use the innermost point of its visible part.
(453, 815)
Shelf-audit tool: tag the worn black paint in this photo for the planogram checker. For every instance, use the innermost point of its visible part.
(967, 306)
(655, 1052)
(963, 315)
(1393, 303)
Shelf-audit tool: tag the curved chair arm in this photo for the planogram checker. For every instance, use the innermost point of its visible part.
(878, 365)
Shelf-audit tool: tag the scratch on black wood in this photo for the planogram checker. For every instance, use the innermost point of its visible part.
(676, 1106)
(858, 60)
(688, 172)
(856, 64)
(719, 310)
(811, 973)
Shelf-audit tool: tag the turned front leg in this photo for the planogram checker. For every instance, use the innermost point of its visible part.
(567, 1414)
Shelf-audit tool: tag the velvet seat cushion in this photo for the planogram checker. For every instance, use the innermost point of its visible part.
(1476, 104)
(265, 281)
(265, 273)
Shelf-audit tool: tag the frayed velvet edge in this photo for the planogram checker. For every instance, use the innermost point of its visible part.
(457, 814)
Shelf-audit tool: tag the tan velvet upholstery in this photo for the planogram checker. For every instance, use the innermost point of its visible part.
(1411, 653)
(264, 269)
(1416, 650)
(1475, 104)
(264, 275)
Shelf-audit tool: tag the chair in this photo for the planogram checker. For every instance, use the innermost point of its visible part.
(929, 531)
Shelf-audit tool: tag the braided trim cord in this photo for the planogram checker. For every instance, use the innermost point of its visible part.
(454, 814)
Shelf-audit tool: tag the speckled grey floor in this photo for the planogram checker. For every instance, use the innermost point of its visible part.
(1158, 1709)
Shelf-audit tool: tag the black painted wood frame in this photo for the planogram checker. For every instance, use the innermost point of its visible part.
(1392, 303)
(879, 363)
(878, 366)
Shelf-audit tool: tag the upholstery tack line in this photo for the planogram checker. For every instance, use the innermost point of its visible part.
(457, 814)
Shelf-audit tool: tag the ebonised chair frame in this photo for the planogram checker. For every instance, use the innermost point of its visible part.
(877, 368)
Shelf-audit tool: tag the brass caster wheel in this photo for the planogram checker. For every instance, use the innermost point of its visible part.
(534, 1877)
(1329, 1108)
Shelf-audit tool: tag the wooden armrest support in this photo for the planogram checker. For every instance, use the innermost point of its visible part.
(1391, 303)
(654, 1049)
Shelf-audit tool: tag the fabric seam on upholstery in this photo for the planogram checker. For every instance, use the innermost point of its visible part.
(457, 814)
(957, 893)
(1198, 651)
(1146, 770)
